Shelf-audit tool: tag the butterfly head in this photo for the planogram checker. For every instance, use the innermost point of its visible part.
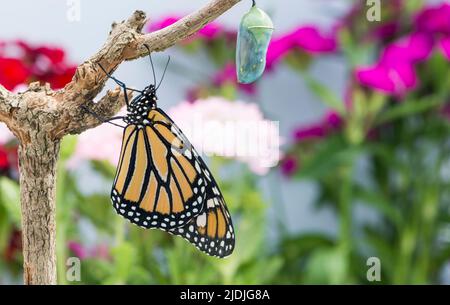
(149, 94)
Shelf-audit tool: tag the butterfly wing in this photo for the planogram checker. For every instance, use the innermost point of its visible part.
(159, 181)
(162, 182)
(212, 230)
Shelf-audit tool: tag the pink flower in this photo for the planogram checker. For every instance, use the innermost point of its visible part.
(87, 150)
(331, 122)
(78, 250)
(289, 165)
(310, 133)
(307, 39)
(414, 48)
(228, 75)
(395, 79)
(395, 72)
(435, 20)
(100, 251)
(163, 23)
(278, 48)
(210, 31)
(312, 41)
(386, 30)
(231, 129)
(444, 45)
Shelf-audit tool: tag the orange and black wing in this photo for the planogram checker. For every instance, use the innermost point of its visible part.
(159, 181)
(211, 231)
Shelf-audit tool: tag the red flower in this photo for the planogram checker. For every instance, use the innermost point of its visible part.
(4, 160)
(14, 245)
(12, 73)
(59, 79)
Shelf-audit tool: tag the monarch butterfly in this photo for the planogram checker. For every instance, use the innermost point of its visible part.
(162, 182)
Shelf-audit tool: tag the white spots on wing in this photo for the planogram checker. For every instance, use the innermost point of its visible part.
(201, 220)
(188, 154)
(197, 167)
(210, 203)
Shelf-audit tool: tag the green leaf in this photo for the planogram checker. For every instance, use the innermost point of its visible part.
(380, 203)
(409, 107)
(329, 156)
(68, 145)
(10, 198)
(327, 266)
(325, 94)
(97, 208)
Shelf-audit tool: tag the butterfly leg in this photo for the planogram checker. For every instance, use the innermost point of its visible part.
(120, 84)
(103, 120)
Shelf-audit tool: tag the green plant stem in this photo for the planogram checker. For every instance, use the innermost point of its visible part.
(61, 235)
(345, 211)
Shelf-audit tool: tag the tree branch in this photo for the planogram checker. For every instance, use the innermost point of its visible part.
(180, 30)
(126, 42)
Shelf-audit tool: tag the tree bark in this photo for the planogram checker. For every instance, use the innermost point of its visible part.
(38, 162)
(41, 117)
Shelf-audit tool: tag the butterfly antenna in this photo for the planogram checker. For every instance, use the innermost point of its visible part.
(151, 63)
(164, 73)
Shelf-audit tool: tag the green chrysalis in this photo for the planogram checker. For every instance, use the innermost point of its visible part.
(255, 32)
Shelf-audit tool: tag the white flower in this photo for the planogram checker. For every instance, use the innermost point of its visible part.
(232, 129)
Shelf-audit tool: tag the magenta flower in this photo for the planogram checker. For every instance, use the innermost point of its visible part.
(310, 133)
(435, 20)
(289, 166)
(312, 41)
(386, 30)
(209, 31)
(395, 79)
(414, 48)
(331, 122)
(163, 23)
(228, 75)
(444, 45)
(278, 49)
(98, 251)
(307, 39)
(78, 250)
(395, 73)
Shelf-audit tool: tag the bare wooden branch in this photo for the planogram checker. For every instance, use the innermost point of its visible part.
(180, 30)
(41, 117)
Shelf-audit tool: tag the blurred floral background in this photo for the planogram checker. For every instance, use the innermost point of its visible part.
(373, 158)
